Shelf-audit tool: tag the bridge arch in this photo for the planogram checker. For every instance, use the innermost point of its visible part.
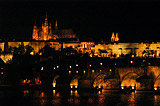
(74, 81)
(98, 79)
(54, 80)
(157, 81)
(129, 79)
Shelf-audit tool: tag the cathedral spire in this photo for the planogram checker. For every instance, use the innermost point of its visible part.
(46, 16)
(56, 25)
(112, 37)
(46, 21)
(117, 38)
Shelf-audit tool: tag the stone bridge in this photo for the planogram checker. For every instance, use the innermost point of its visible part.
(109, 78)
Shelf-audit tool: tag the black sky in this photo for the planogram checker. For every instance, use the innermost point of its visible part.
(134, 21)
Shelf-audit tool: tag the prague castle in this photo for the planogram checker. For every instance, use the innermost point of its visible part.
(47, 33)
(113, 49)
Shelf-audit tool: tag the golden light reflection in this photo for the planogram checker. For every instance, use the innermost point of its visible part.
(54, 84)
(54, 92)
(69, 72)
(58, 94)
(56, 101)
(71, 92)
(42, 94)
(42, 101)
(26, 92)
(92, 71)
(77, 72)
(132, 99)
(84, 71)
(90, 100)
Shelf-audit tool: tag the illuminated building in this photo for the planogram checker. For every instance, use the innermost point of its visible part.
(47, 33)
(114, 38)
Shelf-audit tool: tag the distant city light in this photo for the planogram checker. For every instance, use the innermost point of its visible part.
(70, 66)
(100, 63)
(75, 86)
(71, 86)
(155, 88)
(110, 69)
(42, 68)
(2, 73)
(90, 65)
(132, 87)
(77, 72)
(57, 66)
(92, 71)
(122, 87)
(100, 70)
(76, 65)
(69, 72)
(84, 71)
(131, 61)
(54, 68)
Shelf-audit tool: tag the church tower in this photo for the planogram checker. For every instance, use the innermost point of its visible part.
(117, 38)
(35, 32)
(45, 30)
(56, 25)
(112, 37)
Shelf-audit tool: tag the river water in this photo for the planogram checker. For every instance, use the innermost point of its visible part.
(74, 98)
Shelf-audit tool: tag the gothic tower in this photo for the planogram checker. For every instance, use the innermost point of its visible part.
(117, 38)
(112, 37)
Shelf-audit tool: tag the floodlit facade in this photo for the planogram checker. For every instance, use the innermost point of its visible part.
(53, 37)
(45, 32)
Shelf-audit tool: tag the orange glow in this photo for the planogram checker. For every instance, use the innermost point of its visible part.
(26, 92)
(69, 72)
(155, 89)
(24, 81)
(54, 84)
(2, 73)
(54, 92)
(84, 71)
(58, 94)
(92, 71)
(32, 53)
(77, 72)
(42, 94)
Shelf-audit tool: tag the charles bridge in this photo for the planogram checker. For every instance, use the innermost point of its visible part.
(115, 78)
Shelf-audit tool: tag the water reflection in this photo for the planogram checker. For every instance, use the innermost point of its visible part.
(74, 98)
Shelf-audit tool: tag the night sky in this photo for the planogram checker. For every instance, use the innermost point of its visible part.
(134, 21)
